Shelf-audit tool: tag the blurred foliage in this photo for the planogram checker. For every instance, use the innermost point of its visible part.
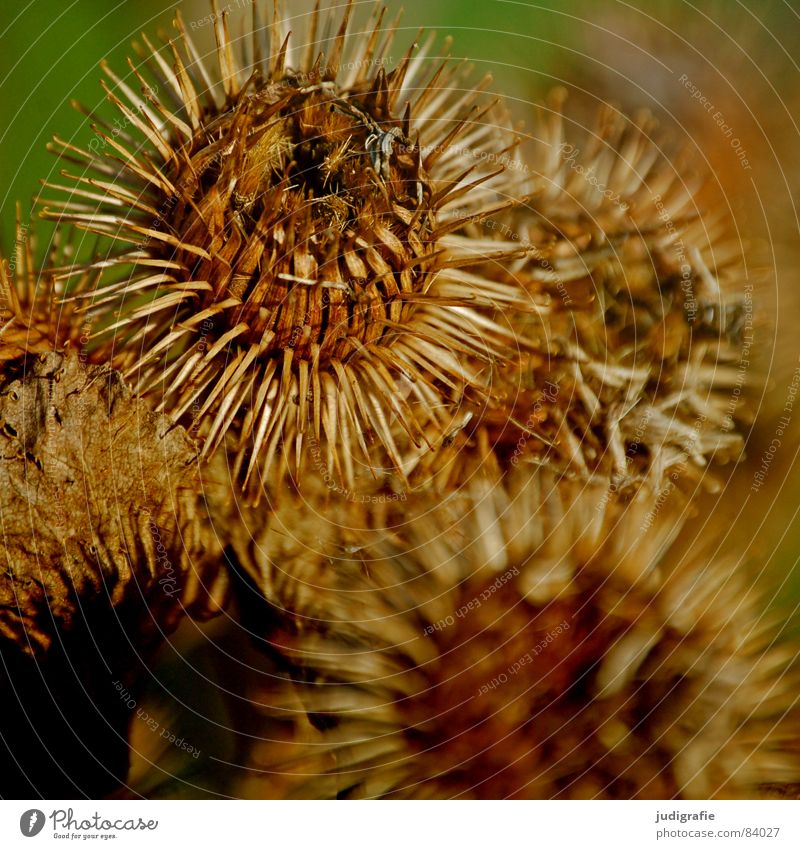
(50, 56)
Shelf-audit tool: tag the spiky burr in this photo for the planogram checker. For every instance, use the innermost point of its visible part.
(275, 225)
(529, 637)
(494, 390)
(103, 540)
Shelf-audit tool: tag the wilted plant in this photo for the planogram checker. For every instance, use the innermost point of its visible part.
(441, 369)
(529, 639)
(278, 228)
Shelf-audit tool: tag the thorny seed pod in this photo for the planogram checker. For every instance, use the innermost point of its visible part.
(532, 638)
(32, 322)
(104, 541)
(98, 505)
(276, 226)
(626, 364)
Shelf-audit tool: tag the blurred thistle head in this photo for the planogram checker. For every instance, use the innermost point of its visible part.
(278, 269)
(539, 639)
(631, 340)
(629, 358)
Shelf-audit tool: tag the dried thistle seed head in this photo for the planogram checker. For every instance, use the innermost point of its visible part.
(639, 317)
(99, 508)
(278, 235)
(530, 639)
(33, 320)
(622, 206)
(744, 142)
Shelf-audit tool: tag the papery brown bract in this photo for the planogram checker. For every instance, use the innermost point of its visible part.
(99, 506)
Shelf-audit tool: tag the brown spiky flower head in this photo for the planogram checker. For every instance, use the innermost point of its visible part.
(528, 637)
(99, 504)
(32, 319)
(276, 270)
(633, 356)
